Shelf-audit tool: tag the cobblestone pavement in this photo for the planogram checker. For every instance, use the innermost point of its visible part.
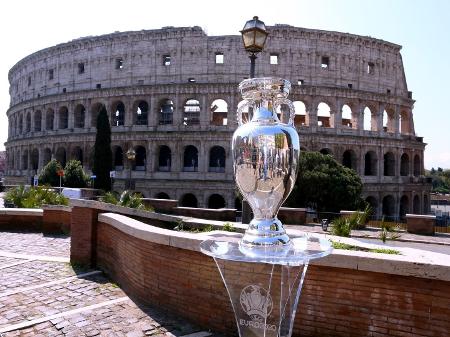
(41, 298)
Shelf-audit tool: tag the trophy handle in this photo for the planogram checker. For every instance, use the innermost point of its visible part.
(287, 102)
(246, 104)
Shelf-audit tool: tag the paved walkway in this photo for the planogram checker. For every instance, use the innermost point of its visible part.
(42, 295)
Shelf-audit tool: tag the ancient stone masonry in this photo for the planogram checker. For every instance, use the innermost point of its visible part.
(172, 94)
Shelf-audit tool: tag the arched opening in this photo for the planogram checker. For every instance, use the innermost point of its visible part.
(118, 114)
(367, 119)
(95, 110)
(246, 117)
(370, 164)
(77, 154)
(49, 119)
(217, 159)
(80, 114)
(425, 204)
(35, 159)
(20, 124)
(416, 204)
(190, 159)
(323, 115)
(162, 195)
(118, 158)
(188, 200)
(28, 123)
(388, 121)
(404, 122)
(191, 112)
(47, 156)
(417, 166)
(219, 112)
(24, 160)
(349, 159)
(404, 165)
(300, 113)
(326, 151)
(216, 201)
(38, 120)
(63, 118)
(141, 114)
(389, 207)
(404, 206)
(166, 112)
(140, 159)
(389, 164)
(61, 156)
(373, 203)
(346, 116)
(164, 159)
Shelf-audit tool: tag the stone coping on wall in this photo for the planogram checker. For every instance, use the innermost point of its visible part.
(421, 216)
(411, 262)
(62, 208)
(22, 211)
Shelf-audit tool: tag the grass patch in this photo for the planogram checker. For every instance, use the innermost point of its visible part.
(346, 246)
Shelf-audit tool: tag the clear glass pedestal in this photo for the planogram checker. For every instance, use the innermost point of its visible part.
(264, 285)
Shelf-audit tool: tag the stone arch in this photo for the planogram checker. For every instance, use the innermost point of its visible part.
(28, 122)
(189, 200)
(191, 112)
(141, 158)
(190, 159)
(166, 108)
(370, 163)
(140, 115)
(95, 110)
(164, 158)
(162, 195)
(404, 122)
(24, 165)
(117, 113)
(404, 165)
(63, 118)
(300, 113)
(246, 116)
(389, 207)
(216, 201)
(326, 151)
(77, 154)
(118, 158)
(389, 120)
(219, 112)
(373, 203)
(416, 204)
(217, 159)
(404, 206)
(389, 164)
(349, 160)
(20, 124)
(347, 116)
(47, 156)
(37, 120)
(80, 115)
(60, 156)
(34, 159)
(367, 118)
(417, 166)
(49, 119)
(324, 115)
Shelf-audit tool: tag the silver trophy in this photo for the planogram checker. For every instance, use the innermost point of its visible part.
(265, 158)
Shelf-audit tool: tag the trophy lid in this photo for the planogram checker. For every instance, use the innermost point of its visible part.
(264, 87)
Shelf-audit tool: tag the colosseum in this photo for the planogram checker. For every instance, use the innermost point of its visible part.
(171, 95)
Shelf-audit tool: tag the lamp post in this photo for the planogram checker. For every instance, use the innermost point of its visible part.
(254, 35)
(131, 156)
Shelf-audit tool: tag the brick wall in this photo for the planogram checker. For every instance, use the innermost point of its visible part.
(334, 301)
(17, 222)
(56, 220)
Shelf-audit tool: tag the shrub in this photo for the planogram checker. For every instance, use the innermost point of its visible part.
(126, 199)
(49, 174)
(341, 227)
(34, 197)
(74, 176)
(228, 227)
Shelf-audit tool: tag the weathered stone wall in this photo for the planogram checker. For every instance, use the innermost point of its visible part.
(57, 92)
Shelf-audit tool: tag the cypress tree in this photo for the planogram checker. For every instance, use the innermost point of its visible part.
(102, 152)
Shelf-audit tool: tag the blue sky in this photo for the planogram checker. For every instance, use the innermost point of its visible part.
(421, 27)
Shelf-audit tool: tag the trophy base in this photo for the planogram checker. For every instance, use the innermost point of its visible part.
(265, 233)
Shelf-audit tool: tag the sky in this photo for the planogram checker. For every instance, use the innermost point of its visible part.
(421, 27)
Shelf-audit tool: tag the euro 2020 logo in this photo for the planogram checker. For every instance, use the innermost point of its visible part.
(256, 302)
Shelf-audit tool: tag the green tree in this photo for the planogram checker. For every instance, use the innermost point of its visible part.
(74, 175)
(325, 185)
(49, 174)
(102, 152)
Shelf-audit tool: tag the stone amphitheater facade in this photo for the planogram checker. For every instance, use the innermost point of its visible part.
(171, 95)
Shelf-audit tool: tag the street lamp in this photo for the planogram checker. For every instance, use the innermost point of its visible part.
(131, 156)
(254, 35)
